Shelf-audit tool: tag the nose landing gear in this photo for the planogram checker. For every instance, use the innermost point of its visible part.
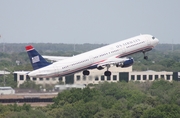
(145, 57)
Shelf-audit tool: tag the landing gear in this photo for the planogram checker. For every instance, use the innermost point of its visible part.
(107, 73)
(100, 68)
(145, 57)
(86, 72)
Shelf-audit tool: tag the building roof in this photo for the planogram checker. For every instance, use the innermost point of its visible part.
(2, 72)
(21, 72)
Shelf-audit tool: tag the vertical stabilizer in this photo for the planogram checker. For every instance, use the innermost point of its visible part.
(37, 61)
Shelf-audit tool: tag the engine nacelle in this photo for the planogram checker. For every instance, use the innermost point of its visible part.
(100, 67)
(126, 63)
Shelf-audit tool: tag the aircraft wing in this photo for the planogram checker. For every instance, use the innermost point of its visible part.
(119, 62)
(55, 58)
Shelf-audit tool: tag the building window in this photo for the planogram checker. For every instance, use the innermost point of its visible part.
(102, 78)
(114, 77)
(108, 78)
(96, 78)
(156, 77)
(15, 77)
(162, 76)
(27, 78)
(78, 77)
(47, 79)
(41, 79)
(168, 77)
(138, 77)
(60, 78)
(150, 77)
(21, 77)
(132, 77)
(90, 78)
(84, 78)
(34, 79)
(144, 77)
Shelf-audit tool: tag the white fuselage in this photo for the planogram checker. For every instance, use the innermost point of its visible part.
(93, 58)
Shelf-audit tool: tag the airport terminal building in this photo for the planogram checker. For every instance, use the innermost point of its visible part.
(97, 76)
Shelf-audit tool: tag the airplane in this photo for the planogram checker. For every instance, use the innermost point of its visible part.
(104, 57)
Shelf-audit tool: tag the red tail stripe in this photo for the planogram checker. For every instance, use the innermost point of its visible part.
(29, 47)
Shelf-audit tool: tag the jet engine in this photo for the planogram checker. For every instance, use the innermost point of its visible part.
(126, 63)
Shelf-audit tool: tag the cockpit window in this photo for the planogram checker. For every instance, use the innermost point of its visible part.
(153, 37)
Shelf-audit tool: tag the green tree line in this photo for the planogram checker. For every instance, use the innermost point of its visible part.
(158, 99)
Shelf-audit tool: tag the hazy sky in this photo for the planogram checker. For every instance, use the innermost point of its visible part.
(88, 21)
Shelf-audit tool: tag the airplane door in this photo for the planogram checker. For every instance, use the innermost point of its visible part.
(123, 49)
(91, 60)
(148, 41)
(57, 70)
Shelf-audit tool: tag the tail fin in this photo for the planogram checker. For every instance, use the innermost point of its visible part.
(37, 61)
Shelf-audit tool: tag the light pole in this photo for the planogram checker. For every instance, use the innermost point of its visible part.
(5, 69)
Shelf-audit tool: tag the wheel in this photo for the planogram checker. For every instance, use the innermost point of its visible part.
(86, 72)
(146, 57)
(107, 73)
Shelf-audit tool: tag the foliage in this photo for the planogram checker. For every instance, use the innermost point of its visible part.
(163, 111)
(6, 111)
(120, 99)
(26, 114)
(158, 99)
(29, 85)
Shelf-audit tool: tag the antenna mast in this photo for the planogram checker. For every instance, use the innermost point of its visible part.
(172, 45)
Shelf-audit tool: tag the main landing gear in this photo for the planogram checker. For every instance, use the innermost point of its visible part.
(86, 72)
(107, 73)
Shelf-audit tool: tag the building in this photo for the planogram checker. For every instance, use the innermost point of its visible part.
(3, 72)
(97, 76)
(150, 75)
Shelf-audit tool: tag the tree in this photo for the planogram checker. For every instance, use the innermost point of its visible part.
(29, 85)
(26, 114)
(163, 111)
(109, 113)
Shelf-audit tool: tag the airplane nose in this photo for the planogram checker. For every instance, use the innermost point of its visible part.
(157, 40)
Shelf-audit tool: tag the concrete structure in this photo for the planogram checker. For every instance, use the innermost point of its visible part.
(6, 90)
(96, 76)
(21, 77)
(68, 86)
(150, 75)
(3, 72)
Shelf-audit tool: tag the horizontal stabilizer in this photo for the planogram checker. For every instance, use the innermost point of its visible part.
(55, 58)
